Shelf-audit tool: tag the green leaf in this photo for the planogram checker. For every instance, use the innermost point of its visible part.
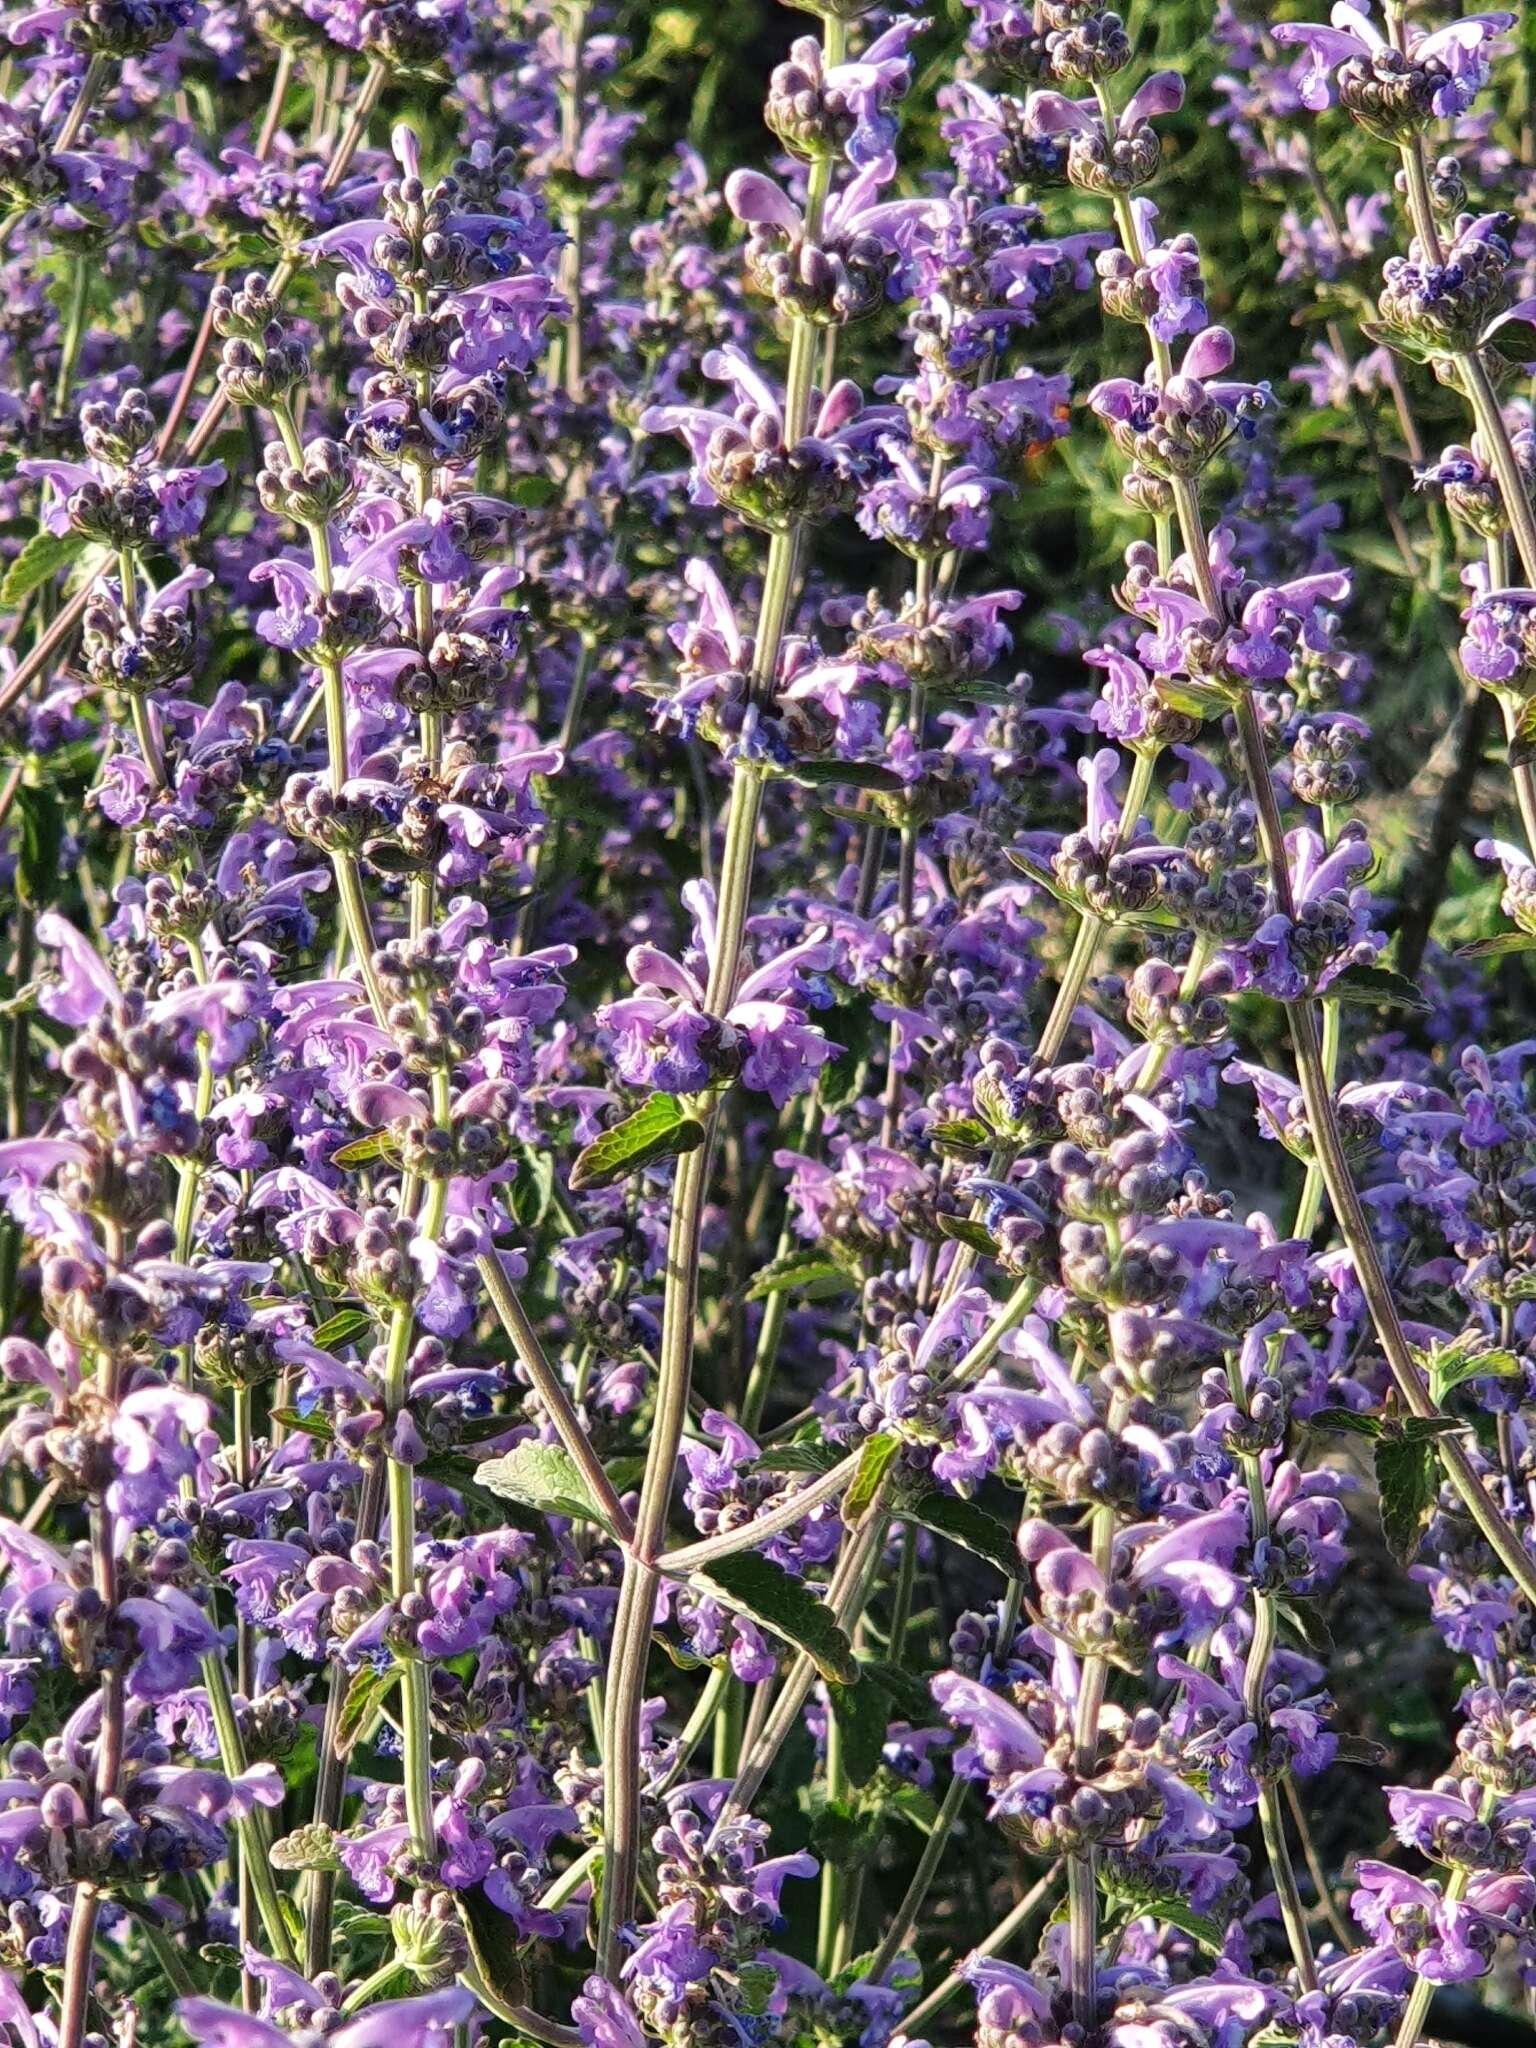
(1522, 741)
(966, 1230)
(1357, 1749)
(874, 1463)
(495, 1946)
(919, 1809)
(358, 1923)
(1418, 1429)
(1195, 700)
(1375, 985)
(806, 1454)
(963, 1522)
(307, 1848)
(1176, 1913)
(542, 1476)
(533, 491)
(307, 1425)
(1496, 947)
(862, 1714)
(1389, 337)
(963, 1135)
(363, 1705)
(1040, 876)
(755, 1586)
(659, 1129)
(363, 1151)
(906, 1690)
(44, 555)
(842, 1833)
(242, 252)
(852, 774)
(345, 1327)
(1346, 1419)
(1407, 1480)
(532, 1187)
(40, 836)
(807, 1273)
(903, 1975)
(1453, 1366)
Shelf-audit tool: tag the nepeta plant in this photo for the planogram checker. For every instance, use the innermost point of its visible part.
(711, 1304)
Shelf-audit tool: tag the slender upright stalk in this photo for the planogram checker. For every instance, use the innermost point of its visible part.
(74, 330)
(1416, 2011)
(86, 1904)
(1322, 1115)
(1002, 1936)
(633, 1620)
(282, 77)
(344, 863)
(90, 86)
(1266, 1623)
(567, 369)
(415, 1684)
(1089, 936)
(550, 1388)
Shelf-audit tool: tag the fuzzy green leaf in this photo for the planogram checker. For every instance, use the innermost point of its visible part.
(862, 1714)
(495, 1945)
(907, 1691)
(853, 774)
(1375, 985)
(1457, 1363)
(1347, 1419)
(542, 1476)
(1407, 1480)
(755, 1586)
(363, 1151)
(1176, 1913)
(40, 839)
(345, 1327)
(1040, 876)
(364, 1703)
(1500, 944)
(803, 1272)
(1522, 741)
(874, 1463)
(659, 1129)
(806, 1454)
(533, 491)
(967, 1231)
(44, 555)
(963, 1522)
(962, 1135)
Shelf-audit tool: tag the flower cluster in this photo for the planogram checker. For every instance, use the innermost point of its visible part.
(727, 1324)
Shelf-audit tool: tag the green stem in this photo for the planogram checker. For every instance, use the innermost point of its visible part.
(74, 331)
(1310, 1206)
(344, 864)
(550, 1388)
(1199, 959)
(85, 99)
(1322, 1122)
(1417, 2009)
(1002, 1936)
(833, 1870)
(637, 1593)
(1091, 930)
(1255, 1695)
(221, 1705)
(371, 1987)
